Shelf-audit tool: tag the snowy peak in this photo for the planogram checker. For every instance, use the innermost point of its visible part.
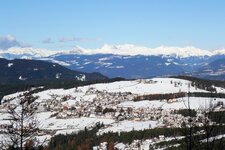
(132, 50)
(75, 50)
(125, 49)
(219, 52)
(162, 50)
(182, 52)
(28, 51)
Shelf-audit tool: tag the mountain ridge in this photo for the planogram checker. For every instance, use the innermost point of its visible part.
(26, 71)
(125, 49)
(165, 61)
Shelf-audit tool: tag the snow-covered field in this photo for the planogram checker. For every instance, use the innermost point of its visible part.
(137, 87)
(151, 86)
(72, 123)
(126, 126)
(182, 103)
(140, 87)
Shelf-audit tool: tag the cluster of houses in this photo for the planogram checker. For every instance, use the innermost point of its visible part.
(104, 104)
(146, 81)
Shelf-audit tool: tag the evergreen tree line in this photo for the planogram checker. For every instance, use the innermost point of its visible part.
(177, 95)
(86, 139)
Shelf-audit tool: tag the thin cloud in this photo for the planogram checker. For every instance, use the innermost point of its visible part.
(47, 41)
(76, 39)
(9, 41)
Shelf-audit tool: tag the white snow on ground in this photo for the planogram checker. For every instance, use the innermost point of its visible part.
(72, 123)
(220, 90)
(156, 86)
(138, 87)
(126, 126)
(214, 138)
(10, 65)
(153, 86)
(7, 97)
(182, 103)
(43, 139)
(69, 102)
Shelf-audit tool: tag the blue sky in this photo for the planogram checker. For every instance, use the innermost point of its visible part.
(62, 24)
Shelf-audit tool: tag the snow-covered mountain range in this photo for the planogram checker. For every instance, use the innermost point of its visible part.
(131, 61)
(126, 49)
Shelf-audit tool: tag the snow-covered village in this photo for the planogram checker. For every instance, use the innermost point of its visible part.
(117, 108)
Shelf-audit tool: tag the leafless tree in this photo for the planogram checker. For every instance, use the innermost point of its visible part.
(23, 121)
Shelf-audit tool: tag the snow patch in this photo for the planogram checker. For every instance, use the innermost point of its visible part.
(22, 78)
(10, 65)
(81, 77)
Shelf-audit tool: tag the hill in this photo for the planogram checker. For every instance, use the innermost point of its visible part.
(31, 71)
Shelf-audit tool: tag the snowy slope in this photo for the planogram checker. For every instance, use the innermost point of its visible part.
(86, 95)
(148, 86)
(182, 103)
